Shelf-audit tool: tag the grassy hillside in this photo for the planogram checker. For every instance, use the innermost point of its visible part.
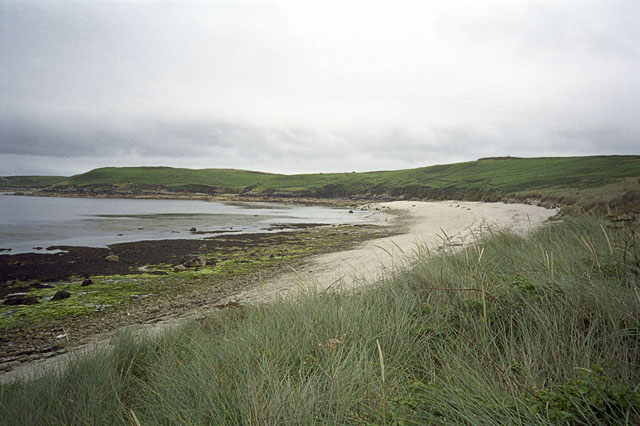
(570, 180)
(485, 176)
(177, 179)
(17, 182)
(541, 330)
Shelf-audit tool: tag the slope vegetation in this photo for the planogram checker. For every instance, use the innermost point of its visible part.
(558, 180)
(18, 182)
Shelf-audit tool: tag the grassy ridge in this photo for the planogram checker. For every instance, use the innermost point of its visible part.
(505, 175)
(168, 177)
(564, 180)
(538, 330)
(16, 182)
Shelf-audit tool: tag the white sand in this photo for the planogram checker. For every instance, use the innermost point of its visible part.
(425, 226)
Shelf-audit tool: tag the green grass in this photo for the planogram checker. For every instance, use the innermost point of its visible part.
(169, 178)
(29, 182)
(542, 330)
(558, 180)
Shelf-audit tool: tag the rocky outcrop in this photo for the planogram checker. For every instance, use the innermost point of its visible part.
(60, 295)
(195, 262)
(20, 299)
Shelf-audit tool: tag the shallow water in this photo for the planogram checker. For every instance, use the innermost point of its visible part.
(31, 224)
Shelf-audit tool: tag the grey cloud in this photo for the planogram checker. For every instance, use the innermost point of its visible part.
(597, 27)
(223, 144)
(291, 86)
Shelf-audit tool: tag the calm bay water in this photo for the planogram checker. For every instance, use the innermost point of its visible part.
(30, 222)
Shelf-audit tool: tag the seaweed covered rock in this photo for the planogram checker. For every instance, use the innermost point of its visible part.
(60, 295)
(20, 299)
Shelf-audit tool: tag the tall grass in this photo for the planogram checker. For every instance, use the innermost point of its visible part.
(510, 330)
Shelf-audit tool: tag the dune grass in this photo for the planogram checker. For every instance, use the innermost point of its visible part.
(543, 329)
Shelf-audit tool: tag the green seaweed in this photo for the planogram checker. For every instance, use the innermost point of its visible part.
(112, 292)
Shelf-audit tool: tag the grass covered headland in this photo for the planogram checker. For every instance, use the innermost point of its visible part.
(589, 183)
(543, 329)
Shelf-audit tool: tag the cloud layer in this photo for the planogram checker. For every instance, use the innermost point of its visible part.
(289, 86)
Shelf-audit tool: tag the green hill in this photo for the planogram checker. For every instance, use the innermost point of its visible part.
(561, 180)
(18, 182)
(166, 178)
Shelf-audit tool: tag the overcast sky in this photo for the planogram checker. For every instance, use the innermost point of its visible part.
(308, 86)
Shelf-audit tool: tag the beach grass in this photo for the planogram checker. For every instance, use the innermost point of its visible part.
(542, 329)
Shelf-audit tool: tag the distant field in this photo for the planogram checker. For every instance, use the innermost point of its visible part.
(15, 182)
(587, 181)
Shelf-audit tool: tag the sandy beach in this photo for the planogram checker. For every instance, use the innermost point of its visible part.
(422, 226)
(418, 227)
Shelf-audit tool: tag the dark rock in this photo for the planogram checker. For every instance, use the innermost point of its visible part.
(86, 282)
(193, 230)
(40, 285)
(350, 211)
(195, 262)
(62, 294)
(20, 299)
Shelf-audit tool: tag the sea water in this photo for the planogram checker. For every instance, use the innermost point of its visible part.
(31, 224)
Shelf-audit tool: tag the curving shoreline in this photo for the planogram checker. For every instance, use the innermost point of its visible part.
(421, 227)
(416, 227)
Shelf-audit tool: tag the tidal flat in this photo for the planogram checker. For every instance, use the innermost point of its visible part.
(150, 281)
